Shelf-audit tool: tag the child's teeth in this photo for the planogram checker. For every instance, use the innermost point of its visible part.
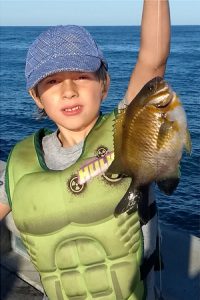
(72, 109)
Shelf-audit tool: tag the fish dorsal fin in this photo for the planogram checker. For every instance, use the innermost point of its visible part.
(117, 166)
(188, 142)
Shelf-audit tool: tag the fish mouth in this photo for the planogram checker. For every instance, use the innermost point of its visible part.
(163, 97)
(165, 101)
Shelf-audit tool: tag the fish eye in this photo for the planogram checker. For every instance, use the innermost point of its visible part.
(151, 87)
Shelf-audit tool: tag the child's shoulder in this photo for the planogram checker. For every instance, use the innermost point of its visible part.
(30, 146)
(33, 138)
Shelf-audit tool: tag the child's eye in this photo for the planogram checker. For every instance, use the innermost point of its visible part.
(83, 77)
(52, 81)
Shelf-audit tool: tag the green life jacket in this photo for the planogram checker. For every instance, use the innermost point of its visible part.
(77, 245)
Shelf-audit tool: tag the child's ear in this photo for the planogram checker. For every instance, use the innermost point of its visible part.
(106, 85)
(36, 98)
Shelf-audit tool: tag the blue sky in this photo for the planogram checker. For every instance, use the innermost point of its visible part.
(90, 12)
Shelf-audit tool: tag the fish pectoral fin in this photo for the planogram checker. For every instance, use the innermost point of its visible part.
(169, 185)
(164, 132)
(188, 142)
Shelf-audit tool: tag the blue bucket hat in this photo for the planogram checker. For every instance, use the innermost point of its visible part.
(62, 48)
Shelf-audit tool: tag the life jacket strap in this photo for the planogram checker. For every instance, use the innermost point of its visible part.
(150, 213)
(154, 260)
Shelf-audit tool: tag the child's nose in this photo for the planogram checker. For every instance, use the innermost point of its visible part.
(69, 89)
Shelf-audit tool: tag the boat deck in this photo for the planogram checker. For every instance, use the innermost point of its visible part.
(14, 288)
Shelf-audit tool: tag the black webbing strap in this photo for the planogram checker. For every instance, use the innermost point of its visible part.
(147, 265)
(154, 260)
(149, 214)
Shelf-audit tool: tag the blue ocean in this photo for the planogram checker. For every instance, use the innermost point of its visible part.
(120, 46)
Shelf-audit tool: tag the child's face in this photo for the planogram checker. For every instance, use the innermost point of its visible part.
(71, 99)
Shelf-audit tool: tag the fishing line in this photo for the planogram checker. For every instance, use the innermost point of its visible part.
(159, 231)
(159, 258)
(158, 32)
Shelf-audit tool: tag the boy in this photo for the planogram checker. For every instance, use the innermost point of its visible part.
(64, 214)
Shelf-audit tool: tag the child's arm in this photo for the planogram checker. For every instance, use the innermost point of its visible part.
(4, 206)
(154, 45)
(4, 210)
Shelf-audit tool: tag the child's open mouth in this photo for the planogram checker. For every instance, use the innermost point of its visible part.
(72, 110)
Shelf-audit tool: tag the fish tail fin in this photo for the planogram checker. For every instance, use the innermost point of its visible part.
(136, 199)
(129, 201)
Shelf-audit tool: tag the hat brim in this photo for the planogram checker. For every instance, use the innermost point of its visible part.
(61, 64)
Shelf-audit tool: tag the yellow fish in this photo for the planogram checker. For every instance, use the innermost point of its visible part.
(149, 137)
